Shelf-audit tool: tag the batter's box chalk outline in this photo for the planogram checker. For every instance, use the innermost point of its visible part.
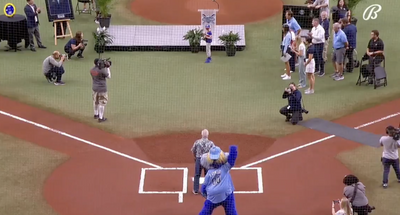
(259, 180)
(180, 193)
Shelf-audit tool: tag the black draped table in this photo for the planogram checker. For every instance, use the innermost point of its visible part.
(14, 30)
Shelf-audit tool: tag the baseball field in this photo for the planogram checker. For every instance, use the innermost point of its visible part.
(57, 160)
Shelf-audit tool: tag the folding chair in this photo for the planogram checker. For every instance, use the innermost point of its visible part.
(374, 73)
(87, 11)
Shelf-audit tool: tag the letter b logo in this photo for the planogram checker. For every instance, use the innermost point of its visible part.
(371, 12)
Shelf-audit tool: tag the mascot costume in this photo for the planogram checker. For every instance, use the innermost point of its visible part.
(218, 186)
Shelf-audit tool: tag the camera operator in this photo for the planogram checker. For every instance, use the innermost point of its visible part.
(76, 44)
(53, 69)
(100, 73)
(354, 190)
(294, 99)
(390, 155)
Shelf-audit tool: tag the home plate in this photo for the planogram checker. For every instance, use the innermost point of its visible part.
(201, 181)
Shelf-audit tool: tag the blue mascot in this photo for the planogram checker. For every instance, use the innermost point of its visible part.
(218, 186)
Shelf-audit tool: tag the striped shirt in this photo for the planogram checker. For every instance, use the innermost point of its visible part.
(202, 146)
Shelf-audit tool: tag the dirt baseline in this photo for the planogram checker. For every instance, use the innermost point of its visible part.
(185, 12)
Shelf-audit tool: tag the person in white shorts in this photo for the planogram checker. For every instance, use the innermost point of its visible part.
(310, 66)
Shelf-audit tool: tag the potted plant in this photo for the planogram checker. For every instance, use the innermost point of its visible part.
(351, 5)
(229, 41)
(101, 39)
(194, 37)
(104, 17)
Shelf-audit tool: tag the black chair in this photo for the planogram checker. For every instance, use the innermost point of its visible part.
(373, 72)
(88, 11)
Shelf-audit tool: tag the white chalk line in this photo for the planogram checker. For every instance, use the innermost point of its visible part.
(317, 141)
(185, 180)
(79, 139)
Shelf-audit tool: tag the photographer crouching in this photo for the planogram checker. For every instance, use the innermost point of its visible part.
(100, 73)
(293, 111)
(76, 44)
(53, 69)
(390, 155)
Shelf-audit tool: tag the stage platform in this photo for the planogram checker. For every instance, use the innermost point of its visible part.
(165, 37)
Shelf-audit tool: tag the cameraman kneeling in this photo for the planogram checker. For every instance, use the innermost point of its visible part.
(76, 44)
(294, 99)
(53, 69)
(390, 155)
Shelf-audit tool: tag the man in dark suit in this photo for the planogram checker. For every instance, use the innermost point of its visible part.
(31, 12)
(60, 8)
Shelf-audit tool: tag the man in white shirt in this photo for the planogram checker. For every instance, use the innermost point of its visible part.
(390, 155)
(318, 40)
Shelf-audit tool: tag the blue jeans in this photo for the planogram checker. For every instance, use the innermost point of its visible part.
(198, 168)
(56, 71)
(387, 163)
(319, 60)
(292, 60)
(229, 206)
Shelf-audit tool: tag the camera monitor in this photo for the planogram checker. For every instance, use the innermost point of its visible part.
(59, 9)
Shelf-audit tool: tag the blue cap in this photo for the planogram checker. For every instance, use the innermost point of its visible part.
(207, 26)
(215, 152)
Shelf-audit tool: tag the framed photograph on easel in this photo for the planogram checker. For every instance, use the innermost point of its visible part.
(59, 10)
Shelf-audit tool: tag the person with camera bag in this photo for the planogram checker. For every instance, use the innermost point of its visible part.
(100, 73)
(53, 69)
(354, 190)
(76, 44)
(294, 99)
(390, 155)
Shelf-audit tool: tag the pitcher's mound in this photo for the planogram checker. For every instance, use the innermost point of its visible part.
(175, 148)
(185, 11)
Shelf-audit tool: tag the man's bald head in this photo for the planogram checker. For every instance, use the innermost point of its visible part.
(336, 27)
(204, 133)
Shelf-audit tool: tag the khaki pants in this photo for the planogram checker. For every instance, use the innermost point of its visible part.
(100, 98)
(325, 52)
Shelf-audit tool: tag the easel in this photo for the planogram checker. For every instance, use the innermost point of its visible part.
(61, 24)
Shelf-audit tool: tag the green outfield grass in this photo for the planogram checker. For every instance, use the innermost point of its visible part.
(158, 92)
(24, 169)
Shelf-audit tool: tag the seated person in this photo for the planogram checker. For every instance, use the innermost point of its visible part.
(75, 45)
(53, 68)
(294, 102)
(375, 49)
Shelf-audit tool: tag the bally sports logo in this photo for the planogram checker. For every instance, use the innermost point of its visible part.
(371, 12)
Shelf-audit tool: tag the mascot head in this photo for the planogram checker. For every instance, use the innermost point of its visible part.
(216, 157)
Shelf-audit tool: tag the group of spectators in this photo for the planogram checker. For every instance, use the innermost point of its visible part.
(310, 51)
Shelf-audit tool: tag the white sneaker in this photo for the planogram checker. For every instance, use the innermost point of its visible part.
(309, 92)
(286, 78)
(284, 75)
(291, 71)
(296, 65)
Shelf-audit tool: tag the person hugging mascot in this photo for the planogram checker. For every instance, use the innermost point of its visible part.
(218, 186)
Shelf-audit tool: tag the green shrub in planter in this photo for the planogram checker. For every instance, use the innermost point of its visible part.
(101, 39)
(105, 7)
(229, 41)
(194, 37)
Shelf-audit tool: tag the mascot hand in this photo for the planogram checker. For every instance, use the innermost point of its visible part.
(204, 191)
(233, 153)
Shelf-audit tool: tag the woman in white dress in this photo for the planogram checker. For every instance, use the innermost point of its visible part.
(345, 207)
(310, 66)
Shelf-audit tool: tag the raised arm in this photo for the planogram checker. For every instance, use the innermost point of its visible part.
(233, 153)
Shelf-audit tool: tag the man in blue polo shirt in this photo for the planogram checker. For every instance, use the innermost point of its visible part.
(340, 44)
(351, 33)
(292, 22)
